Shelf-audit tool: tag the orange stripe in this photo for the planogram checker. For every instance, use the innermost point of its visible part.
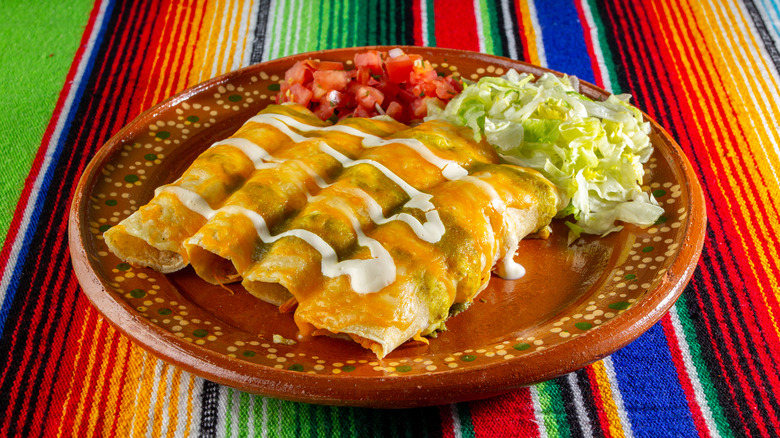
(117, 381)
(173, 404)
(530, 33)
(75, 382)
(610, 408)
(135, 368)
(714, 122)
(85, 381)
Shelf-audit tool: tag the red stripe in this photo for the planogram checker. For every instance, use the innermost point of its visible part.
(447, 426)
(684, 378)
(521, 31)
(197, 38)
(508, 415)
(744, 293)
(456, 25)
(417, 28)
(598, 400)
(586, 33)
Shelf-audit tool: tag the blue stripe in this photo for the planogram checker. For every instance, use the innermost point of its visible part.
(13, 285)
(564, 38)
(651, 392)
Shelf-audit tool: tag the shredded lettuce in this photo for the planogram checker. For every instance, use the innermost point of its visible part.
(592, 151)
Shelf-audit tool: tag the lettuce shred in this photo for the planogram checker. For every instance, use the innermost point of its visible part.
(592, 151)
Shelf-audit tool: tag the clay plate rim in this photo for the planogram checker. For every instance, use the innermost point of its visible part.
(398, 391)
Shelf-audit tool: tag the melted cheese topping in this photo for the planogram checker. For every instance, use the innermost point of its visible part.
(366, 275)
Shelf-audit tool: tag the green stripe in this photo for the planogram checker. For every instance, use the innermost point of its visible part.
(606, 52)
(487, 11)
(257, 413)
(430, 24)
(553, 413)
(34, 37)
(229, 413)
(466, 426)
(689, 333)
(245, 402)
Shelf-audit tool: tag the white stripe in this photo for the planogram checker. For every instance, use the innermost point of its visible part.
(264, 423)
(212, 27)
(228, 18)
(692, 373)
(269, 31)
(617, 397)
(510, 34)
(597, 50)
(736, 50)
(424, 23)
(166, 418)
(51, 147)
(579, 405)
(245, 33)
(246, 58)
(222, 402)
(158, 367)
(296, 32)
(538, 30)
(538, 414)
(186, 381)
(480, 26)
(455, 421)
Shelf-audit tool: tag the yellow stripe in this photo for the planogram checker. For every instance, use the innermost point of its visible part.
(112, 405)
(192, 44)
(723, 94)
(144, 397)
(162, 392)
(156, 59)
(530, 33)
(170, 51)
(206, 46)
(75, 382)
(610, 408)
(135, 369)
(173, 404)
(84, 381)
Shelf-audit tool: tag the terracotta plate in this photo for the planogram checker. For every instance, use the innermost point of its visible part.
(577, 304)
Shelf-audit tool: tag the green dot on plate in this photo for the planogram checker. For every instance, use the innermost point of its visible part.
(620, 305)
(111, 202)
(521, 346)
(164, 311)
(162, 135)
(193, 119)
(249, 353)
(658, 193)
(403, 369)
(583, 325)
(123, 267)
(234, 98)
(647, 249)
(630, 277)
(347, 368)
(275, 87)
(137, 293)
(295, 367)
(201, 333)
(468, 358)
(150, 157)
(103, 228)
(131, 178)
(661, 220)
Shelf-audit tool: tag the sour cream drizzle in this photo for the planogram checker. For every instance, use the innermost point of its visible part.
(366, 275)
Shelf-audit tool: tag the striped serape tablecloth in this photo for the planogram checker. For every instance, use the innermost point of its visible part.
(73, 73)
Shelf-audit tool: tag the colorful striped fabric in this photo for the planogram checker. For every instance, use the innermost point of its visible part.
(73, 73)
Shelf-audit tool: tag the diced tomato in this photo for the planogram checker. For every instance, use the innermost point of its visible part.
(326, 80)
(300, 94)
(369, 60)
(367, 96)
(395, 110)
(299, 73)
(399, 68)
(399, 86)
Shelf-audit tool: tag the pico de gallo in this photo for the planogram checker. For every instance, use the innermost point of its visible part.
(392, 83)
